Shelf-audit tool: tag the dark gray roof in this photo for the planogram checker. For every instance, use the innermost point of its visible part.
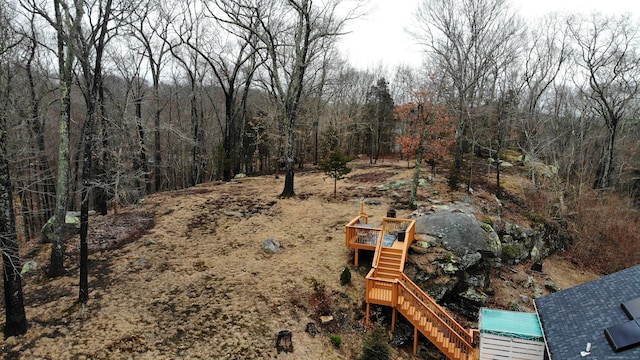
(573, 317)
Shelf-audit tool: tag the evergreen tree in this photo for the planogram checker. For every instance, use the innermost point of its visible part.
(379, 119)
(335, 167)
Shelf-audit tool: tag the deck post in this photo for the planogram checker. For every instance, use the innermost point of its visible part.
(366, 318)
(393, 319)
(415, 340)
(356, 257)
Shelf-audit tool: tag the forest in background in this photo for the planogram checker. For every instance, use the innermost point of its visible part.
(106, 101)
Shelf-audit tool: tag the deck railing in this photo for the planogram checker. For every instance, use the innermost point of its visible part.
(381, 291)
(435, 314)
(386, 292)
(361, 234)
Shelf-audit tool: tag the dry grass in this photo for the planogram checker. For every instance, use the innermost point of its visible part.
(198, 285)
(605, 232)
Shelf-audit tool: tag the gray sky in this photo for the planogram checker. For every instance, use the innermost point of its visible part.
(379, 38)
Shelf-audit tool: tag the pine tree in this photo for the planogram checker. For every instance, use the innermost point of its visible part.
(335, 167)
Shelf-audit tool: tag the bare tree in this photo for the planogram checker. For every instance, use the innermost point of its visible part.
(130, 70)
(233, 61)
(92, 43)
(288, 32)
(546, 59)
(16, 319)
(466, 40)
(150, 25)
(66, 22)
(348, 93)
(608, 51)
(195, 70)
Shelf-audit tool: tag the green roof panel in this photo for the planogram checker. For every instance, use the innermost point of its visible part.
(510, 324)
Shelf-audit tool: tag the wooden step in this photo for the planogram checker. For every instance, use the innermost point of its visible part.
(391, 252)
(390, 262)
(388, 265)
(386, 273)
(394, 274)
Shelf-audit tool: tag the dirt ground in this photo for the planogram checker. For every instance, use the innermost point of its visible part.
(183, 274)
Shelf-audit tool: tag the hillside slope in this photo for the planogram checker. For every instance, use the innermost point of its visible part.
(198, 285)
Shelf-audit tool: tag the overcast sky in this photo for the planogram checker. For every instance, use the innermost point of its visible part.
(380, 36)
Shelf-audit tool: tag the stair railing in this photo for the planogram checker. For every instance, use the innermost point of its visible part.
(446, 324)
(376, 254)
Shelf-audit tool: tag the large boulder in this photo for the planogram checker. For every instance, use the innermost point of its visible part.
(71, 226)
(460, 232)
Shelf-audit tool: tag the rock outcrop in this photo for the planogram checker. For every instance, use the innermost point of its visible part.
(454, 253)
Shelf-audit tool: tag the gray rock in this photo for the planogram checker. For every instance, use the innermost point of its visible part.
(439, 288)
(553, 287)
(234, 213)
(271, 245)
(29, 266)
(459, 232)
(514, 306)
(475, 281)
(420, 247)
(529, 282)
(470, 260)
(71, 226)
(474, 296)
(537, 292)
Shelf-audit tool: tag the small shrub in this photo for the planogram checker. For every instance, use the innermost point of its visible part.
(510, 251)
(453, 180)
(336, 340)
(320, 301)
(535, 217)
(375, 347)
(488, 221)
(345, 277)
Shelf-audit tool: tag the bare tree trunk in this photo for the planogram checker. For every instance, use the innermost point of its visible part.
(56, 265)
(16, 319)
(290, 164)
(413, 198)
(157, 155)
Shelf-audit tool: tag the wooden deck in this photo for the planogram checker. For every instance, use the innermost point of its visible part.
(362, 235)
(387, 285)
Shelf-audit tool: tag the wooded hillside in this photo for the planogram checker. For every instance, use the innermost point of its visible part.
(105, 102)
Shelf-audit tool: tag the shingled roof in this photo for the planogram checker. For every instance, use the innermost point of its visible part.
(576, 316)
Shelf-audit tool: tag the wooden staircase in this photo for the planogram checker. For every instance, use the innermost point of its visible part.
(390, 263)
(387, 285)
(434, 323)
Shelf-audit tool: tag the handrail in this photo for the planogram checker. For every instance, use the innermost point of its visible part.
(443, 317)
(376, 254)
(410, 234)
(460, 342)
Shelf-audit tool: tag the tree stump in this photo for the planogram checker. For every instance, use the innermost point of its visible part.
(284, 341)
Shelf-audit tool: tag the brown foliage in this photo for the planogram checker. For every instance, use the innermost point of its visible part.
(605, 231)
(431, 129)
